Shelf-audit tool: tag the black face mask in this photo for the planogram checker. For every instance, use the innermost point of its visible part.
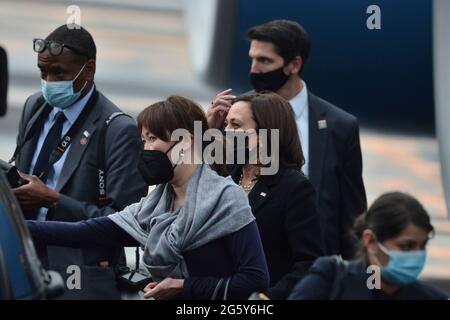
(271, 81)
(235, 151)
(156, 167)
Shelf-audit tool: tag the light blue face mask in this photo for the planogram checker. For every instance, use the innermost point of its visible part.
(404, 266)
(59, 94)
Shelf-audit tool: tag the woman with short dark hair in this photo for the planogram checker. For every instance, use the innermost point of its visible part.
(282, 202)
(393, 237)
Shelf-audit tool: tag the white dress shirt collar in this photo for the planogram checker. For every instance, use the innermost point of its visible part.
(300, 102)
(74, 110)
(300, 105)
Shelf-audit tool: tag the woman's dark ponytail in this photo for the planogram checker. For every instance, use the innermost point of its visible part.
(390, 214)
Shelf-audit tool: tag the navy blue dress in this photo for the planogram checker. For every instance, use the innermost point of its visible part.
(238, 254)
(317, 285)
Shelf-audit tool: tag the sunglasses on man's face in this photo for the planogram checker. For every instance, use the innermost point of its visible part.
(55, 48)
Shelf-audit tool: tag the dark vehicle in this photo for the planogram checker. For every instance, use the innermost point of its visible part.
(21, 274)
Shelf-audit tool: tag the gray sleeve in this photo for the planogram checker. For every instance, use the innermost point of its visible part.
(128, 220)
(24, 118)
(22, 124)
(124, 184)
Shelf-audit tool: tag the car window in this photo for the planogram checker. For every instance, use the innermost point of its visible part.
(19, 257)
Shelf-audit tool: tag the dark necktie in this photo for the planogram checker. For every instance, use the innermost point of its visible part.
(51, 142)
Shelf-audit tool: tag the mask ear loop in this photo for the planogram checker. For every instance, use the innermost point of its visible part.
(171, 147)
(85, 83)
(180, 154)
(383, 249)
(82, 68)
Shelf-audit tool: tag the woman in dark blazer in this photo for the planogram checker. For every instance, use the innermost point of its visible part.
(283, 202)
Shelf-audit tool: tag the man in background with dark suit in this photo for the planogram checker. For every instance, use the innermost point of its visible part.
(78, 164)
(329, 136)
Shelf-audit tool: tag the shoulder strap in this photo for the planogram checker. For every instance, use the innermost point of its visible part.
(225, 291)
(216, 289)
(219, 286)
(102, 197)
(40, 101)
(341, 272)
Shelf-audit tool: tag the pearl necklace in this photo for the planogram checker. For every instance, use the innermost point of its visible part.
(247, 187)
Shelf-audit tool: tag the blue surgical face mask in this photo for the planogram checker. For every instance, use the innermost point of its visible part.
(404, 266)
(59, 94)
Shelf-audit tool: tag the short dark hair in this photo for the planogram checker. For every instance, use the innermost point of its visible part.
(176, 112)
(288, 37)
(77, 39)
(271, 111)
(390, 214)
(164, 117)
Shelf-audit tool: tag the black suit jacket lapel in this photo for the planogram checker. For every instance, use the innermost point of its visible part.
(317, 141)
(259, 194)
